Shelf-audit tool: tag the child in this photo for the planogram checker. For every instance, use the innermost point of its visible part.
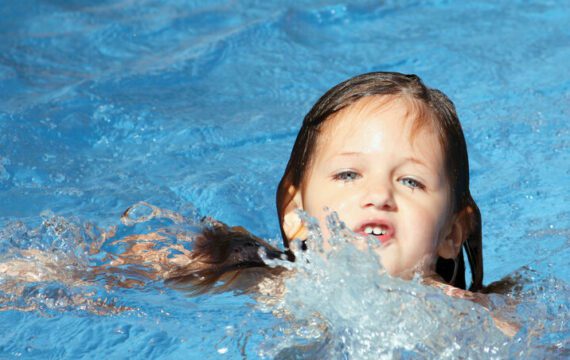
(384, 152)
(389, 156)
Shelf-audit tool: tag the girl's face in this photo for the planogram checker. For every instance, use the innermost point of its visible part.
(382, 181)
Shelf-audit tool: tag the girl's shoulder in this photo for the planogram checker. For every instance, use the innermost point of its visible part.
(508, 327)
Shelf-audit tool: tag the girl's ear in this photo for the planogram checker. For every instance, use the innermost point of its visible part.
(293, 226)
(458, 232)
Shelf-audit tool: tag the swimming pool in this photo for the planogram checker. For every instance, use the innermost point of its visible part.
(194, 106)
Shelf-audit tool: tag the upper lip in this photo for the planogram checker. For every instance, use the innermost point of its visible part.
(383, 223)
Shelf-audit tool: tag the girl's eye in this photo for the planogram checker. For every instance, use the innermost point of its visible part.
(347, 175)
(412, 183)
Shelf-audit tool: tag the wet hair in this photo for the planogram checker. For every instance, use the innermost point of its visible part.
(430, 107)
(224, 258)
(228, 258)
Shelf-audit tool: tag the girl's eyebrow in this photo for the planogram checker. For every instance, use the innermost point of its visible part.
(408, 159)
(415, 161)
(347, 154)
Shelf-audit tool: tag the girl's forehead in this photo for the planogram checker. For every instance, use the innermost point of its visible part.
(375, 116)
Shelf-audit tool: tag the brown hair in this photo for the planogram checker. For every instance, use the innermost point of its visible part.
(433, 106)
(224, 258)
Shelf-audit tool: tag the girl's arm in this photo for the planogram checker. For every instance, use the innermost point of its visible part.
(220, 258)
(508, 328)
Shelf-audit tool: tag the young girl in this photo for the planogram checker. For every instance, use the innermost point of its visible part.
(388, 155)
(383, 151)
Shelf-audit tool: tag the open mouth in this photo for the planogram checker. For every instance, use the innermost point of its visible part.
(379, 229)
(376, 230)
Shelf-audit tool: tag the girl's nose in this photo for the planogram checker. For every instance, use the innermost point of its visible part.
(380, 198)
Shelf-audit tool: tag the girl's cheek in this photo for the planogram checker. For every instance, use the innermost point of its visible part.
(344, 213)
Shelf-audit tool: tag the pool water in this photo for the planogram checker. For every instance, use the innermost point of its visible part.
(193, 107)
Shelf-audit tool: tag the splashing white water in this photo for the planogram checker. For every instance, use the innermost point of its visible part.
(336, 302)
(345, 306)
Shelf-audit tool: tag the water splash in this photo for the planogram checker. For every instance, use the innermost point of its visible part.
(45, 268)
(65, 264)
(343, 305)
(335, 302)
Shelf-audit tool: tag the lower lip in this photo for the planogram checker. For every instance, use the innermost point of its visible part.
(384, 239)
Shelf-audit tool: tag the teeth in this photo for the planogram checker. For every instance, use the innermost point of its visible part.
(377, 230)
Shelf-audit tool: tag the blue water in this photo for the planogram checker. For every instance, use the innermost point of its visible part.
(194, 106)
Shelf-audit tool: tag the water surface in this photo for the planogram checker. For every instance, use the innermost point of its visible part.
(194, 106)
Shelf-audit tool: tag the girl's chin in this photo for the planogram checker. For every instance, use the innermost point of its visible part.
(407, 274)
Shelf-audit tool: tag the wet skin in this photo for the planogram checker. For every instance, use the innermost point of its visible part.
(383, 181)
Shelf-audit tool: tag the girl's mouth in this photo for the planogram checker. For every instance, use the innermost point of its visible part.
(381, 230)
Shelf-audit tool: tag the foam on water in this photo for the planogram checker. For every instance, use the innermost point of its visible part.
(345, 306)
(334, 302)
